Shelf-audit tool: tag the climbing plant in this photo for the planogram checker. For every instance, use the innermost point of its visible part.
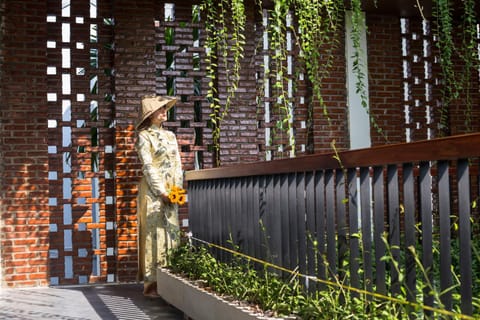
(358, 21)
(469, 56)
(225, 27)
(318, 23)
(277, 30)
(315, 33)
(316, 38)
(316, 28)
(456, 82)
(446, 45)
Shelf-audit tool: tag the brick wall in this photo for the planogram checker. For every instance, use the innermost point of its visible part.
(394, 90)
(24, 181)
(2, 30)
(385, 78)
(135, 77)
(2, 191)
(239, 129)
(335, 127)
(139, 63)
(464, 114)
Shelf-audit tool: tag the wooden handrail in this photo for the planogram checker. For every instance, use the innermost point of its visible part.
(448, 148)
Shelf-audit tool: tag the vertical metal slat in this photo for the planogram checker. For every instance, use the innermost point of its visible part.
(410, 233)
(292, 196)
(341, 221)
(256, 204)
(275, 222)
(249, 217)
(353, 207)
(285, 222)
(465, 235)
(366, 227)
(330, 224)
(444, 225)
(301, 219)
(320, 223)
(379, 216)
(427, 229)
(394, 225)
(310, 225)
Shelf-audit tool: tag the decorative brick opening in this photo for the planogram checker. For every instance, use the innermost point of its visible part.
(67, 163)
(80, 143)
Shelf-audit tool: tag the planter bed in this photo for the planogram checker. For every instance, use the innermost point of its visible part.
(200, 304)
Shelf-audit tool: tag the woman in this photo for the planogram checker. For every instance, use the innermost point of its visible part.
(158, 226)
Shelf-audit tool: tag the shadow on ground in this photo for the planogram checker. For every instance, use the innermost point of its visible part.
(112, 301)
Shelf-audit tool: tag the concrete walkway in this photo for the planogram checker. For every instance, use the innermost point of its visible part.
(112, 301)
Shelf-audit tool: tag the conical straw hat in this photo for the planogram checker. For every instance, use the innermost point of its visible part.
(150, 104)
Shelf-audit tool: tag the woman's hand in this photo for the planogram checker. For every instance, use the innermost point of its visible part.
(165, 198)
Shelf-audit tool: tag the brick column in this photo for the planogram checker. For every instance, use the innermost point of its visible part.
(24, 221)
(385, 78)
(135, 77)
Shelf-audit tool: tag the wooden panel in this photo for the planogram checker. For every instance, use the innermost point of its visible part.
(441, 149)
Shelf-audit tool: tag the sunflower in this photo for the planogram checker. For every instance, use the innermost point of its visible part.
(177, 195)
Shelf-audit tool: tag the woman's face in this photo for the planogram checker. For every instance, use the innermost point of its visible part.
(159, 116)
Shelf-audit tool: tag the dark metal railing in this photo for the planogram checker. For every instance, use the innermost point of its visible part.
(354, 213)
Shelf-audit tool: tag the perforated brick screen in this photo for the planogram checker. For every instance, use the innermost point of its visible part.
(80, 142)
(73, 75)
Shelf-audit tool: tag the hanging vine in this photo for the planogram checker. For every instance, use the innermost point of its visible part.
(319, 23)
(358, 21)
(283, 104)
(446, 48)
(469, 56)
(456, 83)
(225, 28)
(317, 38)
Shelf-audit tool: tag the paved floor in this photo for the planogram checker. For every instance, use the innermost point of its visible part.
(112, 301)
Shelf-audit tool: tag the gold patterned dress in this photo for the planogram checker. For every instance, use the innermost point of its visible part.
(158, 224)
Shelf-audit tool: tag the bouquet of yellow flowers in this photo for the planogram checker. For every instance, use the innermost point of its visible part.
(177, 195)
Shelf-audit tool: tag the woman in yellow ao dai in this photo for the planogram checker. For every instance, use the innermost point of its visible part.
(158, 225)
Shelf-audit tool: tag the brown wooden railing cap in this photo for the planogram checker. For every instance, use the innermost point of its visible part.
(448, 148)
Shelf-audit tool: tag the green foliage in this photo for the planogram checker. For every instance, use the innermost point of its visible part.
(330, 295)
(447, 47)
(358, 21)
(456, 82)
(319, 22)
(225, 28)
(277, 30)
(469, 56)
(289, 297)
(315, 26)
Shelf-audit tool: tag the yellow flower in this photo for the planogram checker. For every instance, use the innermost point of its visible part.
(181, 199)
(177, 195)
